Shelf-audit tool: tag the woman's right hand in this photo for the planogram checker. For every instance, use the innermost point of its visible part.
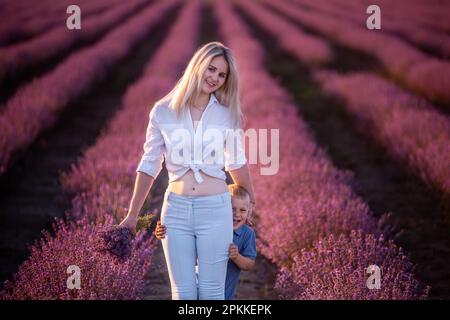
(129, 222)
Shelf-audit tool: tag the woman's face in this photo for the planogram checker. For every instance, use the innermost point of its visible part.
(215, 75)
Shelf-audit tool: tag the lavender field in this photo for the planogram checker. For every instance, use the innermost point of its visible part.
(363, 116)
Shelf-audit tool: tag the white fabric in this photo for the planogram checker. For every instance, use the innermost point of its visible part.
(209, 148)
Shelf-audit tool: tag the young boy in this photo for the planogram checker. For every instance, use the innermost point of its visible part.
(242, 252)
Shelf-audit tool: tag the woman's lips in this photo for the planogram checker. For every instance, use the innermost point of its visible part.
(210, 84)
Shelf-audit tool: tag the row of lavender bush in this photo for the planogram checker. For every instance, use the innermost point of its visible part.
(22, 19)
(35, 106)
(13, 30)
(355, 12)
(21, 11)
(427, 75)
(407, 126)
(312, 49)
(103, 181)
(431, 14)
(310, 223)
(410, 128)
(42, 48)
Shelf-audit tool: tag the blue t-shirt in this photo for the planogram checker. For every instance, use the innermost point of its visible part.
(245, 239)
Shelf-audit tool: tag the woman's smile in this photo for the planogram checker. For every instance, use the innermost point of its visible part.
(211, 84)
(215, 74)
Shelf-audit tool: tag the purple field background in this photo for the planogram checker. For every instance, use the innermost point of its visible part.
(363, 120)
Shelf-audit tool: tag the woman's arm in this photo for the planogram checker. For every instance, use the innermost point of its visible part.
(241, 176)
(147, 170)
(142, 187)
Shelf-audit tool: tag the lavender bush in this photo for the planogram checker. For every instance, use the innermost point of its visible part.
(310, 48)
(102, 184)
(48, 45)
(401, 19)
(308, 199)
(336, 269)
(44, 274)
(410, 128)
(418, 70)
(115, 240)
(35, 106)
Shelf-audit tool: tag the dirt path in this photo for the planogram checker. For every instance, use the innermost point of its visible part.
(256, 284)
(157, 282)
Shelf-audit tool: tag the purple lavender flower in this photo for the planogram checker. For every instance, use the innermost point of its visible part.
(116, 240)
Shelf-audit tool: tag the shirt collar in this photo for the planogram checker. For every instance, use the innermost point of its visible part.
(239, 230)
(213, 99)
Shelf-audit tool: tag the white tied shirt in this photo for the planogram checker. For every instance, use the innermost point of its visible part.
(212, 146)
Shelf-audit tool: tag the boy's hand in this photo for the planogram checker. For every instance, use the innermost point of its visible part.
(233, 251)
(160, 231)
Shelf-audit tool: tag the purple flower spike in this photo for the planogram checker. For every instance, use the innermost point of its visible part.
(116, 240)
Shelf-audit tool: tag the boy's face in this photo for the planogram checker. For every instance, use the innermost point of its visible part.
(240, 207)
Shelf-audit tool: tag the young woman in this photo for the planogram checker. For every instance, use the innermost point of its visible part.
(190, 127)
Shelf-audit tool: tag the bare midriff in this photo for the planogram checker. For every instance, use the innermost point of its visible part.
(187, 185)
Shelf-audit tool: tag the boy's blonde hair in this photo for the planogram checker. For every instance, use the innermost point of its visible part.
(189, 85)
(240, 192)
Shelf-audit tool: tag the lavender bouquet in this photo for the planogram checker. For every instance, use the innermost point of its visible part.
(118, 241)
(115, 240)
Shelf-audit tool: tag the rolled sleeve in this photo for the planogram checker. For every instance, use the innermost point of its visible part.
(234, 152)
(152, 159)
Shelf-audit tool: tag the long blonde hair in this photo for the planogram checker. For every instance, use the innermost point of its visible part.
(189, 85)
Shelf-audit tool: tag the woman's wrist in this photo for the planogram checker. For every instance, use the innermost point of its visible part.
(131, 214)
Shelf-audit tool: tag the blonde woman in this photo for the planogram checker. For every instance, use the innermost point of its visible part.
(195, 129)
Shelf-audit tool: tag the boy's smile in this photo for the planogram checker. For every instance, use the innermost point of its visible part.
(240, 211)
